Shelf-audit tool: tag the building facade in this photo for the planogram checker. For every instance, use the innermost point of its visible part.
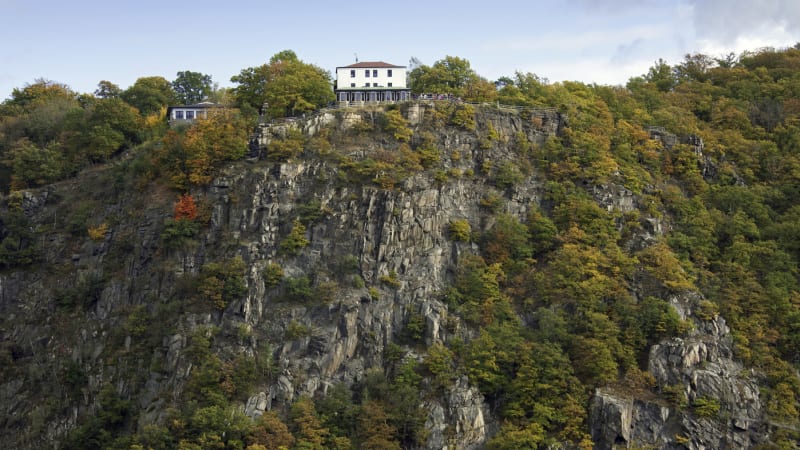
(177, 115)
(371, 82)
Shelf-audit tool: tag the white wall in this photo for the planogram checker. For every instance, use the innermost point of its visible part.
(343, 78)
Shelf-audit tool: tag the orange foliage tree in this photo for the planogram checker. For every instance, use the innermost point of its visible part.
(185, 208)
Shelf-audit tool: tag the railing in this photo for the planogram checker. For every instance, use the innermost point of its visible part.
(418, 99)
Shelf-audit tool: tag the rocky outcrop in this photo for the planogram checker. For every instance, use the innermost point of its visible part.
(698, 369)
(378, 257)
(459, 420)
(401, 232)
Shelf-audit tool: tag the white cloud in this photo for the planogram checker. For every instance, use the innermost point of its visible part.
(568, 40)
(746, 24)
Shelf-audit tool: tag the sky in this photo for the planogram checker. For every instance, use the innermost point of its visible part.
(81, 42)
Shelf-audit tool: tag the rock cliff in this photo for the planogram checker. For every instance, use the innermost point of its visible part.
(112, 310)
(697, 370)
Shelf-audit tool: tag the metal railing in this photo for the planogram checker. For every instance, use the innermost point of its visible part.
(339, 105)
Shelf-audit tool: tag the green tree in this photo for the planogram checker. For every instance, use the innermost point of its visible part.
(661, 75)
(449, 75)
(18, 243)
(296, 240)
(192, 87)
(109, 125)
(222, 282)
(287, 85)
(396, 124)
(40, 91)
(150, 94)
(33, 165)
(107, 89)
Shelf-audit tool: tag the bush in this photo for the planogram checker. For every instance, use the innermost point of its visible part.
(374, 294)
(508, 175)
(706, 406)
(296, 330)
(179, 233)
(460, 230)
(220, 283)
(289, 147)
(296, 240)
(464, 117)
(298, 289)
(706, 310)
(273, 274)
(396, 124)
(98, 233)
(390, 279)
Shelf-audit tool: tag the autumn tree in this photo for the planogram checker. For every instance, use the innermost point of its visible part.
(374, 431)
(191, 156)
(306, 425)
(270, 432)
(40, 91)
(185, 208)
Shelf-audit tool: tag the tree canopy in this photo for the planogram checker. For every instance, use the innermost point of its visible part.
(287, 85)
(191, 87)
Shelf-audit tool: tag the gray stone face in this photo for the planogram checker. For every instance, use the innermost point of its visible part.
(372, 231)
(700, 365)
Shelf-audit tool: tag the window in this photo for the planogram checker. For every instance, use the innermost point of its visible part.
(389, 84)
(179, 115)
(366, 84)
(353, 73)
(352, 85)
(366, 73)
(375, 72)
(389, 73)
(189, 115)
(374, 84)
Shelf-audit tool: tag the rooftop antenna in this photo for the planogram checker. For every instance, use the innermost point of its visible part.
(356, 56)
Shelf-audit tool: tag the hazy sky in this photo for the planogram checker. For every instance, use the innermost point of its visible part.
(81, 42)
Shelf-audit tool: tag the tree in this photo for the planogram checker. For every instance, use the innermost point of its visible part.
(150, 94)
(107, 89)
(694, 67)
(185, 208)
(396, 124)
(661, 75)
(447, 76)
(270, 432)
(33, 165)
(250, 92)
(306, 425)
(374, 431)
(192, 87)
(191, 156)
(287, 85)
(38, 92)
(107, 126)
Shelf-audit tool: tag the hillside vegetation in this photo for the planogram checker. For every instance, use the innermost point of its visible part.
(122, 267)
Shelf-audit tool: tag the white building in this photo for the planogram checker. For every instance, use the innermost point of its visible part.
(189, 113)
(371, 82)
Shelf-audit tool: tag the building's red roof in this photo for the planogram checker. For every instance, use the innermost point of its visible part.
(370, 65)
